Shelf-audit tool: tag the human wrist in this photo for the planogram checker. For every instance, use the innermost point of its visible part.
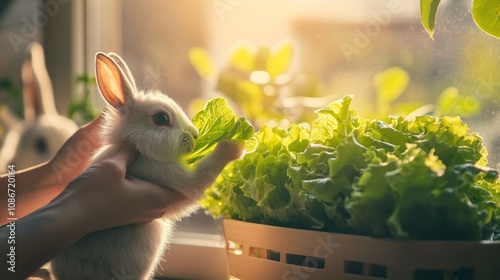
(42, 178)
(51, 182)
(58, 178)
(35, 187)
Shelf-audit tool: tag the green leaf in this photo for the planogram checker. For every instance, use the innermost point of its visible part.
(202, 62)
(451, 103)
(334, 122)
(243, 58)
(85, 78)
(486, 14)
(217, 122)
(390, 84)
(322, 188)
(280, 59)
(428, 11)
(372, 202)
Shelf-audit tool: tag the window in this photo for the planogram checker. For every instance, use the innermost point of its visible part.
(339, 48)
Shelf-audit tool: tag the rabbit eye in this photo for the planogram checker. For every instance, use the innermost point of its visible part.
(41, 146)
(161, 119)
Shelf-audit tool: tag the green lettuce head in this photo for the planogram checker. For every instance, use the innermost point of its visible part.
(419, 179)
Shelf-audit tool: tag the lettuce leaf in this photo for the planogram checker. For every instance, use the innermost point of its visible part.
(216, 122)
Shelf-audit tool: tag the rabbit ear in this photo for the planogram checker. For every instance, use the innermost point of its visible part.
(112, 82)
(124, 68)
(37, 88)
(7, 119)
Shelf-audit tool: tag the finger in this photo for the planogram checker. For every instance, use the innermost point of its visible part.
(90, 131)
(86, 135)
(95, 122)
(162, 197)
(85, 141)
(124, 156)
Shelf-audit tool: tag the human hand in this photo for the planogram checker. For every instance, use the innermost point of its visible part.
(40, 184)
(76, 153)
(103, 196)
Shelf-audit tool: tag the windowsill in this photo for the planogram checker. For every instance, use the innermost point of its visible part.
(194, 256)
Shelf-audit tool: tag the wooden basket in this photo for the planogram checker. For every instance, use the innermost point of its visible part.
(261, 252)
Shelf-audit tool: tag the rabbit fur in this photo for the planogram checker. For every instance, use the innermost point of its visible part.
(43, 131)
(133, 251)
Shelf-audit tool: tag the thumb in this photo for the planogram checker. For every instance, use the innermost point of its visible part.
(124, 156)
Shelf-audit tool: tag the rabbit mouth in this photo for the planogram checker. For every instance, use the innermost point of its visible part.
(188, 142)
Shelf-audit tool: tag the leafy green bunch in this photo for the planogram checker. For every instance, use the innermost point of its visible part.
(216, 122)
(419, 179)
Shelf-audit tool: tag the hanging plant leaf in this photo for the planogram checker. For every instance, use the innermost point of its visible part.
(428, 11)
(486, 14)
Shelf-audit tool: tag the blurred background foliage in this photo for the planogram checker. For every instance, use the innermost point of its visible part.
(258, 79)
(12, 96)
(81, 110)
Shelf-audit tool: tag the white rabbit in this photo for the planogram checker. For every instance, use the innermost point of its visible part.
(43, 131)
(162, 134)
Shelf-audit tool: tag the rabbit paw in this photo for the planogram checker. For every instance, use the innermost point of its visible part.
(230, 149)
